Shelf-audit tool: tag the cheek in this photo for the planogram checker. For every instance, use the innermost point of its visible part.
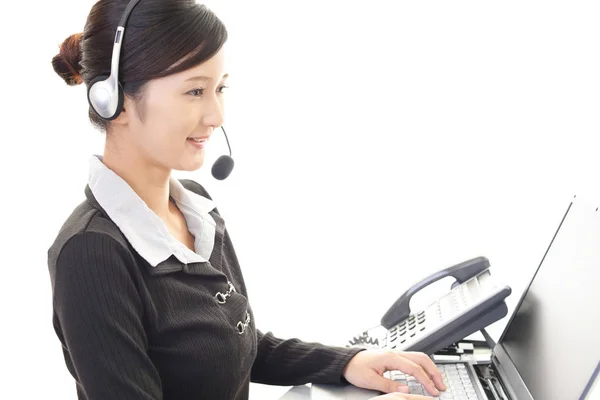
(173, 119)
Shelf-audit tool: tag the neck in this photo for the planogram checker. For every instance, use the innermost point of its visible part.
(149, 181)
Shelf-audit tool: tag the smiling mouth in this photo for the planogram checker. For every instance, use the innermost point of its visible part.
(198, 140)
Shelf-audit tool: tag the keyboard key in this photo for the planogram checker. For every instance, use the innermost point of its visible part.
(415, 389)
(458, 383)
(396, 375)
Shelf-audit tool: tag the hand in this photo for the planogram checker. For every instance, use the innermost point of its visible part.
(366, 370)
(400, 396)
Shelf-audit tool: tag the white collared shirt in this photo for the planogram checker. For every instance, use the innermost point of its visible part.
(146, 232)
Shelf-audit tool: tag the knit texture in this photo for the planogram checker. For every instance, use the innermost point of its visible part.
(133, 331)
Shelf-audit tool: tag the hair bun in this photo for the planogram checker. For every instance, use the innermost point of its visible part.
(67, 62)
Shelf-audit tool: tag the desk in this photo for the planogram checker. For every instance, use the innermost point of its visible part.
(297, 393)
(347, 392)
(338, 391)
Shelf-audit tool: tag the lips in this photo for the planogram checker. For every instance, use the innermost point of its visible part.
(198, 142)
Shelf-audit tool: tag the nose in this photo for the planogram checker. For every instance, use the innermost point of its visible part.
(213, 113)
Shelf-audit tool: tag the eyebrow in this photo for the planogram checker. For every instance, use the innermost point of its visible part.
(203, 78)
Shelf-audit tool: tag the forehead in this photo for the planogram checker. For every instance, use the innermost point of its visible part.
(211, 71)
(213, 68)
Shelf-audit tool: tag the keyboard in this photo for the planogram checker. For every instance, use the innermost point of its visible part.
(455, 376)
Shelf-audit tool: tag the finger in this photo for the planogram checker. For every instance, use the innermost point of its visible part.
(415, 397)
(428, 365)
(398, 362)
(400, 396)
(387, 385)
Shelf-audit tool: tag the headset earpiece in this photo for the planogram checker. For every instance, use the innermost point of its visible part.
(105, 93)
(106, 97)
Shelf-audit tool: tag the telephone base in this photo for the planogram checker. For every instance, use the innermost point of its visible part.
(470, 326)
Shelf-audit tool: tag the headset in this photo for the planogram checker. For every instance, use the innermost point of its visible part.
(105, 94)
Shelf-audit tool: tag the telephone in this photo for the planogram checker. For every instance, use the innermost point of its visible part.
(474, 302)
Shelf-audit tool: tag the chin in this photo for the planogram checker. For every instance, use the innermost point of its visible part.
(191, 164)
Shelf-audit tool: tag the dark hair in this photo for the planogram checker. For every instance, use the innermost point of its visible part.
(158, 34)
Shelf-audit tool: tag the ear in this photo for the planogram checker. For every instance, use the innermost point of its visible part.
(124, 117)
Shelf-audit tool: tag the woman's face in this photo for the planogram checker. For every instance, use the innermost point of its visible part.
(180, 112)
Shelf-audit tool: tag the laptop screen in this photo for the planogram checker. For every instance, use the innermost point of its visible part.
(554, 337)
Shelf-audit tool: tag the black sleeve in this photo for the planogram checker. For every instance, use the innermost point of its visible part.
(294, 362)
(98, 314)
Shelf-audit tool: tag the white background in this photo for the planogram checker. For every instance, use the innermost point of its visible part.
(375, 143)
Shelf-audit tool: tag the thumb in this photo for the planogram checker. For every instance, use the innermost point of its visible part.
(388, 386)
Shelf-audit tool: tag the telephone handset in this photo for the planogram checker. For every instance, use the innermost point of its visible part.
(400, 310)
(474, 302)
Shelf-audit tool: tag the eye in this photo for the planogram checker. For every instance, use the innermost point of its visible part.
(196, 92)
(222, 87)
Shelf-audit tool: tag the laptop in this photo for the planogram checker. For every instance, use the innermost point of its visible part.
(550, 348)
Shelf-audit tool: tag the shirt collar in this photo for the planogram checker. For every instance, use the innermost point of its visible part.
(145, 231)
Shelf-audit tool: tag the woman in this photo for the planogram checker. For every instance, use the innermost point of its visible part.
(149, 301)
